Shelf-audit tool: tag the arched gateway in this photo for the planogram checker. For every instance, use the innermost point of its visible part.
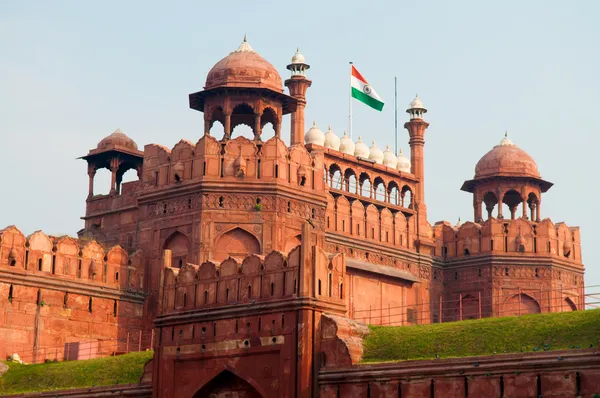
(227, 384)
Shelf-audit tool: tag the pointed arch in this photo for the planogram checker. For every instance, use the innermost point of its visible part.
(179, 244)
(291, 243)
(236, 242)
(520, 304)
(228, 382)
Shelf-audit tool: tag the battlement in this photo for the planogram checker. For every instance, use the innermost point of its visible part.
(235, 159)
(86, 264)
(519, 236)
(252, 279)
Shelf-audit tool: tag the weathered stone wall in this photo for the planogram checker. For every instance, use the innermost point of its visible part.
(61, 297)
(547, 374)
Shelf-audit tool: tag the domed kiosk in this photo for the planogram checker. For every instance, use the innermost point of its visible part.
(507, 175)
(117, 153)
(243, 88)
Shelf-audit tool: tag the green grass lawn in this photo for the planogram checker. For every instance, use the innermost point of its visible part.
(122, 369)
(528, 333)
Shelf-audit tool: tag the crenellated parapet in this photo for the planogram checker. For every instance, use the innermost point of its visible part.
(251, 280)
(239, 159)
(64, 261)
(520, 236)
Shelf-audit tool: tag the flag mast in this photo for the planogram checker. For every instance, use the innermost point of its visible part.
(350, 103)
(396, 115)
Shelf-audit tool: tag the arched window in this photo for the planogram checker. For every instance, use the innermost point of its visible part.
(406, 199)
(365, 185)
(335, 179)
(350, 181)
(379, 189)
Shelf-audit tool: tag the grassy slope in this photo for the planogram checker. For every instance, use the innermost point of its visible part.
(123, 369)
(527, 333)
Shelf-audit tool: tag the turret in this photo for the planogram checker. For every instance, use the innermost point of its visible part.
(298, 84)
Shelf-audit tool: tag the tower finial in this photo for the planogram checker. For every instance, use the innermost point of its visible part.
(505, 133)
(245, 38)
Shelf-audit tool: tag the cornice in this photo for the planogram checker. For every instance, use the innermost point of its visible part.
(246, 309)
(65, 285)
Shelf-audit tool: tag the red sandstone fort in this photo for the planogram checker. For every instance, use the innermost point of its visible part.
(247, 263)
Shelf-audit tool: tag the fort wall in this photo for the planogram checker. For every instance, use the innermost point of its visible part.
(55, 291)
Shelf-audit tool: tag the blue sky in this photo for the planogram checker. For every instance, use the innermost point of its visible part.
(72, 72)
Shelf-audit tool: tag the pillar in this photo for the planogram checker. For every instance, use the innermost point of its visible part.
(500, 217)
(537, 212)
(257, 130)
(206, 124)
(525, 209)
(91, 175)
(114, 165)
(227, 126)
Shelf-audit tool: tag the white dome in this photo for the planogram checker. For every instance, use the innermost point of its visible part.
(331, 140)
(314, 135)
(389, 159)
(361, 149)
(416, 104)
(375, 154)
(403, 163)
(346, 144)
(505, 141)
(298, 58)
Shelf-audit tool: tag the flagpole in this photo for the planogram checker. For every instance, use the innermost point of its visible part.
(396, 114)
(350, 102)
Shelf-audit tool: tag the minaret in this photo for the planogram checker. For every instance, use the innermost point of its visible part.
(416, 129)
(298, 84)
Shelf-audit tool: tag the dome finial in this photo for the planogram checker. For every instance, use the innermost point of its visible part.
(245, 38)
(505, 133)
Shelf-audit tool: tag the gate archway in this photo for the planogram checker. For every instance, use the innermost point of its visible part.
(229, 385)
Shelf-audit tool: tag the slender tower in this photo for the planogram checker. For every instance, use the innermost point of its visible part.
(298, 84)
(416, 129)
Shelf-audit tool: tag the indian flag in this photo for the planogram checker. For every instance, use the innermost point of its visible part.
(362, 91)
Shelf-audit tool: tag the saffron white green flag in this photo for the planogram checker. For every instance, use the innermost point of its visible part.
(362, 91)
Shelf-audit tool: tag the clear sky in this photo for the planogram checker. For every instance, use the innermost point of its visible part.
(71, 72)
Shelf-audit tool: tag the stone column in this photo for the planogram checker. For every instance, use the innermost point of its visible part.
(525, 209)
(257, 131)
(500, 217)
(537, 212)
(227, 126)
(114, 165)
(91, 174)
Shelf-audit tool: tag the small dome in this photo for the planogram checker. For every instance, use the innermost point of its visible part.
(361, 149)
(416, 103)
(314, 135)
(458, 223)
(346, 144)
(403, 163)
(117, 139)
(506, 159)
(389, 159)
(331, 140)
(375, 154)
(298, 58)
(244, 67)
